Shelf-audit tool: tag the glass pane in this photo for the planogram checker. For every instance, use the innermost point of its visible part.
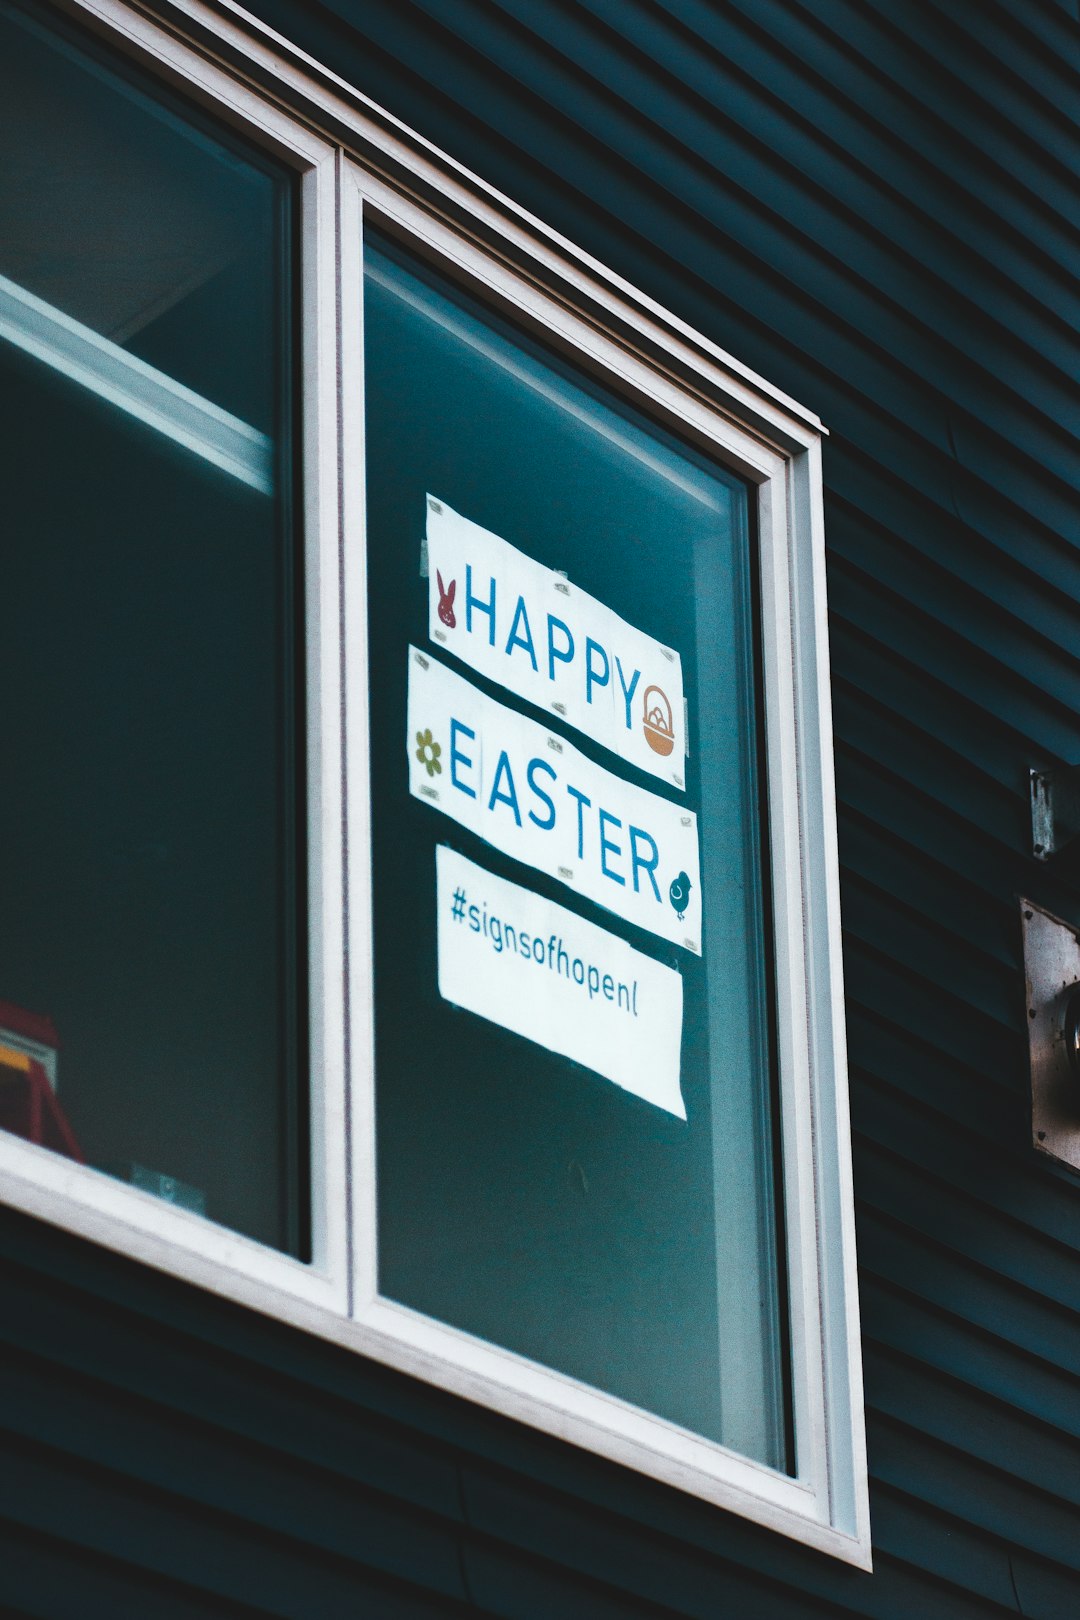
(151, 1007)
(524, 1196)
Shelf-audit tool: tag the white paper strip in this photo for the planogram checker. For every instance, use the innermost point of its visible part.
(532, 631)
(535, 968)
(534, 796)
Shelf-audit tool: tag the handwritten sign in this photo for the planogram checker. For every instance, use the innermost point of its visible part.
(531, 630)
(542, 972)
(538, 799)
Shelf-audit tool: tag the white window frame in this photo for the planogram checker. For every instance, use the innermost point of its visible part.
(358, 164)
(73, 1195)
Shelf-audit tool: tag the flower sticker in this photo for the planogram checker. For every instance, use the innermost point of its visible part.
(427, 752)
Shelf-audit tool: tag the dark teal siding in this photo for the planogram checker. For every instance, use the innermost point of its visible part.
(874, 203)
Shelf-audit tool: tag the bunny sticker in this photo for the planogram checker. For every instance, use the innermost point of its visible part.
(446, 602)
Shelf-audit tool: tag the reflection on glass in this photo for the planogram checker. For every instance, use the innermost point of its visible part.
(151, 1018)
(523, 1197)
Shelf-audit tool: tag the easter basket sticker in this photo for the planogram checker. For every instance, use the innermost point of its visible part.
(656, 721)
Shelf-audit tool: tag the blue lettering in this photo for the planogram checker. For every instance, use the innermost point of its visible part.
(541, 765)
(479, 604)
(457, 757)
(566, 654)
(510, 796)
(628, 691)
(592, 678)
(606, 844)
(637, 862)
(516, 640)
(582, 801)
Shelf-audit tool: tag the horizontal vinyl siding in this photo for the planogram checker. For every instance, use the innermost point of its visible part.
(875, 205)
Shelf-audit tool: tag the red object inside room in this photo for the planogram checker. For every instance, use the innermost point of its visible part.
(28, 1105)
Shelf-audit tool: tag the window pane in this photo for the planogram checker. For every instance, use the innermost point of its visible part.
(149, 953)
(523, 1196)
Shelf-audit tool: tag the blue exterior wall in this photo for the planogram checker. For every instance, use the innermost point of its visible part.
(873, 203)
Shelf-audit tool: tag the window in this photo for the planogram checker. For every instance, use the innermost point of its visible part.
(164, 1007)
(418, 640)
(618, 1227)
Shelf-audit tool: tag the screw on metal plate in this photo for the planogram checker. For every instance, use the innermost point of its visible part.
(561, 583)
(436, 506)
(560, 708)
(425, 567)
(421, 660)
(554, 743)
(429, 792)
(1052, 968)
(567, 872)
(1055, 810)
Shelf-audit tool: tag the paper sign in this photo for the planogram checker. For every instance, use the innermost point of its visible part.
(534, 796)
(535, 968)
(532, 631)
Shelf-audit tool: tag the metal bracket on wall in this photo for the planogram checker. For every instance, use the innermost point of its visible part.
(1052, 969)
(1055, 810)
